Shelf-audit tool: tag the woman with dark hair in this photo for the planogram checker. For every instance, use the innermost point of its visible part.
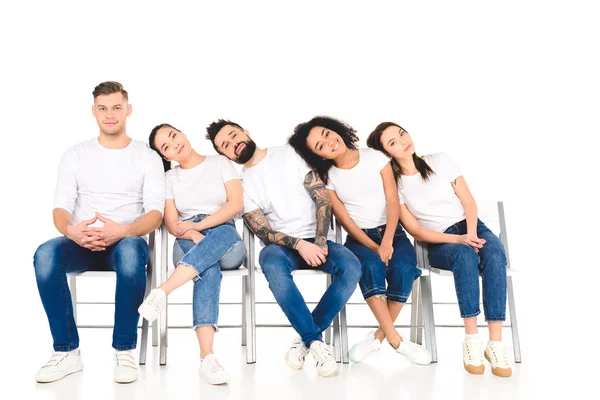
(364, 198)
(437, 207)
(204, 195)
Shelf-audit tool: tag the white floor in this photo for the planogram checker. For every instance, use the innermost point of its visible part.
(385, 375)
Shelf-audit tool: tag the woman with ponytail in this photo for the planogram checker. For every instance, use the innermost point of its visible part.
(204, 195)
(364, 198)
(437, 207)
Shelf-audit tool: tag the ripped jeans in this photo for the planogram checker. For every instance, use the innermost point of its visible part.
(221, 249)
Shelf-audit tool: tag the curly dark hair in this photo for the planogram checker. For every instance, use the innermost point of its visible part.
(152, 143)
(298, 142)
(215, 127)
(374, 142)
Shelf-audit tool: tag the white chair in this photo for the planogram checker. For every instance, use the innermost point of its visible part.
(427, 296)
(150, 284)
(332, 334)
(247, 298)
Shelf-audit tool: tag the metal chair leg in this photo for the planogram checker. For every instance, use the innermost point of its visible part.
(414, 311)
(244, 319)
(428, 319)
(514, 327)
(73, 290)
(344, 335)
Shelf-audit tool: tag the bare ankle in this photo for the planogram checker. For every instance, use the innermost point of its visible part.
(379, 335)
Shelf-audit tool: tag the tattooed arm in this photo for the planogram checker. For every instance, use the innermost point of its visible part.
(259, 224)
(256, 220)
(318, 193)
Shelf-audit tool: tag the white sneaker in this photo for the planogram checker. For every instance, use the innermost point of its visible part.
(415, 353)
(497, 355)
(472, 356)
(126, 370)
(365, 348)
(296, 354)
(323, 358)
(61, 364)
(153, 305)
(212, 371)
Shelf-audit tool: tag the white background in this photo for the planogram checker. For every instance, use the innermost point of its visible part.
(509, 89)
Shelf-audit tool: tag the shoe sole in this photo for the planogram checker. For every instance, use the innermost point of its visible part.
(292, 366)
(62, 377)
(501, 372)
(325, 374)
(125, 382)
(215, 381)
(474, 370)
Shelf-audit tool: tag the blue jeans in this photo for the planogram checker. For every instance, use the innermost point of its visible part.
(59, 256)
(466, 265)
(221, 249)
(401, 271)
(278, 262)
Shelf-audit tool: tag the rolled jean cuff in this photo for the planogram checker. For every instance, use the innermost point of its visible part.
(470, 315)
(66, 347)
(398, 298)
(374, 292)
(124, 347)
(190, 266)
(495, 319)
(209, 324)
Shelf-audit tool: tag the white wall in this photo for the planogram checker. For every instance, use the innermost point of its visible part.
(509, 89)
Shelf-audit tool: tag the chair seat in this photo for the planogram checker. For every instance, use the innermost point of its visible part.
(241, 271)
(443, 272)
(91, 274)
(298, 271)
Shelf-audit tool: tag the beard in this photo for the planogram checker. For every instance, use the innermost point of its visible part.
(247, 153)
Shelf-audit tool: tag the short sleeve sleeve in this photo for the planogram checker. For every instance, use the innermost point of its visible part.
(169, 184)
(228, 171)
(447, 167)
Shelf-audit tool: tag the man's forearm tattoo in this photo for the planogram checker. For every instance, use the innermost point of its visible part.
(318, 193)
(259, 224)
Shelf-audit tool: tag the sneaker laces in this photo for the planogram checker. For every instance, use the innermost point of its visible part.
(154, 299)
(213, 364)
(299, 348)
(56, 359)
(322, 352)
(368, 345)
(125, 359)
(500, 355)
(473, 348)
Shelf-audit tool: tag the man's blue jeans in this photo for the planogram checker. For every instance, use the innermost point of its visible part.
(59, 256)
(278, 262)
(221, 249)
(400, 273)
(466, 264)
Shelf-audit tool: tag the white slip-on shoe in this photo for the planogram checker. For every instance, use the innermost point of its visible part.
(324, 360)
(296, 354)
(126, 370)
(61, 364)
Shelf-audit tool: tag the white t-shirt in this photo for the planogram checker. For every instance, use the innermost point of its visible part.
(201, 189)
(120, 184)
(433, 203)
(276, 186)
(361, 189)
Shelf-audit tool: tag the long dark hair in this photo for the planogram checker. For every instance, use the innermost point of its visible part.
(374, 142)
(298, 142)
(152, 143)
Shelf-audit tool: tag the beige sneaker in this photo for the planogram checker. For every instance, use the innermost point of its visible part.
(496, 354)
(472, 356)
